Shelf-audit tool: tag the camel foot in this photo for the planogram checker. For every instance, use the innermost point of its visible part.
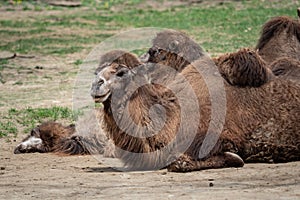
(187, 164)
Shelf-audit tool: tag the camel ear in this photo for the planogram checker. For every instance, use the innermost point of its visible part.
(173, 46)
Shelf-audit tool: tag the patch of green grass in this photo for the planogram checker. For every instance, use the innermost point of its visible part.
(108, 4)
(18, 83)
(7, 128)
(52, 45)
(26, 5)
(78, 62)
(64, 50)
(15, 24)
(139, 52)
(219, 28)
(26, 119)
(3, 63)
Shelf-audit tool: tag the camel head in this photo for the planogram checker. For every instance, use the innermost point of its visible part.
(173, 48)
(32, 143)
(110, 78)
(44, 137)
(115, 69)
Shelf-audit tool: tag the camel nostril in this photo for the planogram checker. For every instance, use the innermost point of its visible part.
(19, 149)
(100, 81)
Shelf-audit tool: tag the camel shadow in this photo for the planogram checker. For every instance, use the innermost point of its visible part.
(101, 170)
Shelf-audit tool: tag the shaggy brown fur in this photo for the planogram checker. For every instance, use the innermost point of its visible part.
(243, 68)
(118, 57)
(50, 133)
(87, 138)
(280, 37)
(175, 49)
(262, 123)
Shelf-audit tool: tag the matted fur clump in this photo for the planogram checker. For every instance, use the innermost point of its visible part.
(243, 68)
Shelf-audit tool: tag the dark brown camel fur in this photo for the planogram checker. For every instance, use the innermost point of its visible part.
(243, 68)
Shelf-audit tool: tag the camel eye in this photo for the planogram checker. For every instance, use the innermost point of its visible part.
(278, 72)
(154, 51)
(32, 133)
(35, 132)
(121, 72)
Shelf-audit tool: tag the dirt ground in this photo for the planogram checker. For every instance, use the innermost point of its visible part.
(48, 176)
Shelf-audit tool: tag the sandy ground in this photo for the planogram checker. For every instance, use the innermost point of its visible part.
(48, 176)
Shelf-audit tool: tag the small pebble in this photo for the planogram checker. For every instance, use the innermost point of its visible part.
(38, 67)
(2, 168)
(211, 184)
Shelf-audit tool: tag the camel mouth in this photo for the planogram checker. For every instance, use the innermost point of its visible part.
(101, 98)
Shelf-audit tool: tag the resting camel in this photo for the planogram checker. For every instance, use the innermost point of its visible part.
(44, 138)
(255, 146)
(262, 123)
